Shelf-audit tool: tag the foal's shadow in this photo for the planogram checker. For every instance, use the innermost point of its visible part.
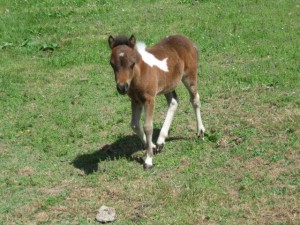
(124, 147)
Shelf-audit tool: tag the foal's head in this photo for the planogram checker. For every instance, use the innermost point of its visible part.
(122, 60)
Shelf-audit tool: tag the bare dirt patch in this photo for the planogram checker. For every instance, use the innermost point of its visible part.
(26, 171)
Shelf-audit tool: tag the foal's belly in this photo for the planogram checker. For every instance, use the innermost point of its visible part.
(168, 83)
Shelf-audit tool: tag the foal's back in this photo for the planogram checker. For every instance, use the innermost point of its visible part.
(177, 46)
(182, 61)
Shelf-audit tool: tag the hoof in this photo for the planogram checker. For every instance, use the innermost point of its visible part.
(147, 167)
(201, 134)
(154, 149)
(160, 147)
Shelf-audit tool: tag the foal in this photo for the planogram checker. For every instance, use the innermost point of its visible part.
(144, 73)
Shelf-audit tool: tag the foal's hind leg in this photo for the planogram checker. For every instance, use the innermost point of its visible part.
(173, 103)
(191, 84)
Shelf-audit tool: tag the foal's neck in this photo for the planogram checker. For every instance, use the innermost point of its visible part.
(138, 65)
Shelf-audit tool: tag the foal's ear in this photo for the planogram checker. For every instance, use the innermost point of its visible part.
(111, 42)
(132, 41)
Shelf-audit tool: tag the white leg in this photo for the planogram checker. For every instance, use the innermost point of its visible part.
(173, 103)
(196, 105)
(191, 85)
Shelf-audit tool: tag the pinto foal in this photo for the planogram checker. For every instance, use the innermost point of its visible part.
(144, 73)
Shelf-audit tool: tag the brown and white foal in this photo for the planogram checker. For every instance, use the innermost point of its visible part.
(143, 73)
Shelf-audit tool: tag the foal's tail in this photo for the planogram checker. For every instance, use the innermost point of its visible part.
(197, 50)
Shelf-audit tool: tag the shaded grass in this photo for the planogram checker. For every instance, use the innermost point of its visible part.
(65, 144)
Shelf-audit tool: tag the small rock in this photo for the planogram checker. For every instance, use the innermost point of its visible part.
(238, 140)
(106, 214)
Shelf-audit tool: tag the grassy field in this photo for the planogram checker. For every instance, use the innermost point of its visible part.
(66, 146)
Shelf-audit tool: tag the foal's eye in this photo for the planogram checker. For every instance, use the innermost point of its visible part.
(113, 65)
(132, 65)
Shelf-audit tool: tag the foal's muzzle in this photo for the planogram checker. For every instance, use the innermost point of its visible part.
(122, 88)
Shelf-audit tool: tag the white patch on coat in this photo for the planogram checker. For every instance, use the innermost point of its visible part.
(121, 54)
(150, 59)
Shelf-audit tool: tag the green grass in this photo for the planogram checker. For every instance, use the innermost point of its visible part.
(66, 146)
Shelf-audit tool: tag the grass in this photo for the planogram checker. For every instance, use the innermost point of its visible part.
(66, 146)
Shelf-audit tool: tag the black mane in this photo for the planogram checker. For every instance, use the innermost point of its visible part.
(121, 40)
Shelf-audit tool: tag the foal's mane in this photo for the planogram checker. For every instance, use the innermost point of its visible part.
(121, 40)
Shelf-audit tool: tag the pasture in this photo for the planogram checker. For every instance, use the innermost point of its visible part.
(66, 146)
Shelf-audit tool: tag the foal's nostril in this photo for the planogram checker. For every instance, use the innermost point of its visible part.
(122, 88)
(126, 87)
(119, 88)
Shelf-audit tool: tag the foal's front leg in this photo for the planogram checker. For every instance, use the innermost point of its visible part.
(136, 109)
(148, 128)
